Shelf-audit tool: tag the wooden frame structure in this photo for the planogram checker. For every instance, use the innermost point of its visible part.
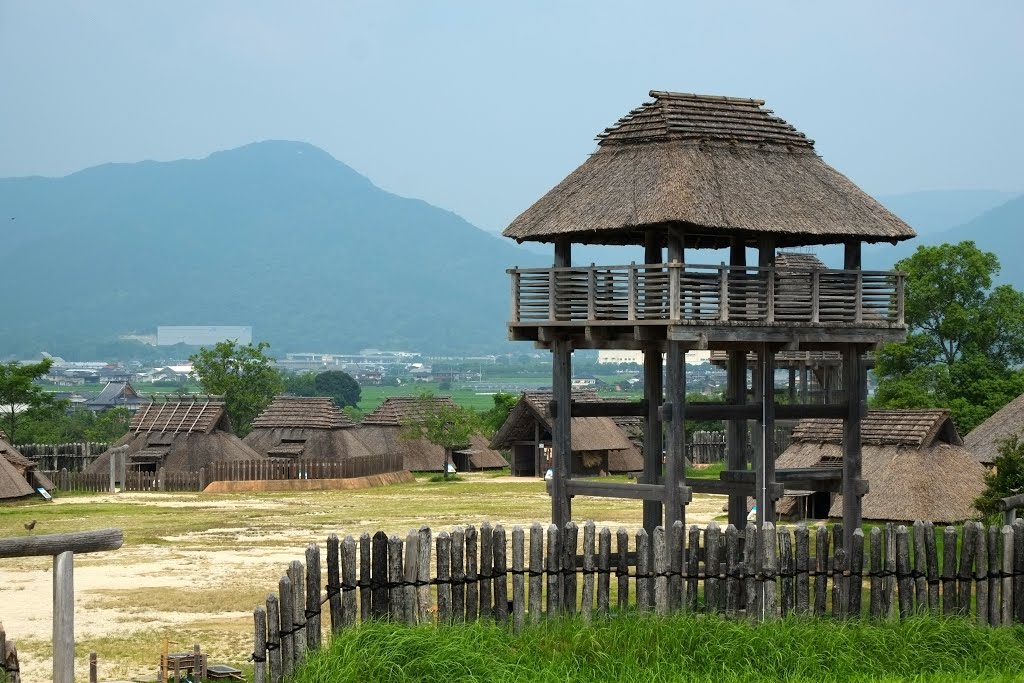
(693, 172)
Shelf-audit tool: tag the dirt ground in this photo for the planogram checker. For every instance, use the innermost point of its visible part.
(192, 568)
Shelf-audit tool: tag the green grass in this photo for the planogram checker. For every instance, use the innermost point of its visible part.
(636, 648)
(373, 396)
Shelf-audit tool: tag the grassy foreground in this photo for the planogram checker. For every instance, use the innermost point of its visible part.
(682, 648)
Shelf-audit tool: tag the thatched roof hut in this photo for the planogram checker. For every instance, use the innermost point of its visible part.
(300, 427)
(381, 432)
(19, 476)
(721, 163)
(180, 434)
(598, 443)
(914, 460)
(984, 440)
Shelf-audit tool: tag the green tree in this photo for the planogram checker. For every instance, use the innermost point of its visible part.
(243, 375)
(301, 383)
(965, 339)
(340, 386)
(496, 416)
(109, 426)
(443, 424)
(19, 392)
(1005, 479)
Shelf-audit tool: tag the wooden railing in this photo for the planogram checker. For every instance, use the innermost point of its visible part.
(684, 293)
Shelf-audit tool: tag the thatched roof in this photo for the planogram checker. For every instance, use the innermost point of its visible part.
(12, 483)
(116, 394)
(396, 411)
(716, 166)
(18, 474)
(318, 412)
(180, 414)
(918, 470)
(181, 434)
(588, 433)
(984, 439)
(798, 261)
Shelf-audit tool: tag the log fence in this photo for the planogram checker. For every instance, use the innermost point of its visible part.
(763, 574)
(71, 456)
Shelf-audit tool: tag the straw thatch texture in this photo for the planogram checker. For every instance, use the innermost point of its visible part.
(381, 432)
(310, 428)
(716, 166)
(25, 467)
(180, 435)
(13, 483)
(984, 440)
(589, 434)
(915, 462)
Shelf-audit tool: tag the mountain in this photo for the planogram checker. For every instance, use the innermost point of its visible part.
(999, 230)
(937, 210)
(277, 235)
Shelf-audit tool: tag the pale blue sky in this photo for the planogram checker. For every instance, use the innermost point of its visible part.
(480, 107)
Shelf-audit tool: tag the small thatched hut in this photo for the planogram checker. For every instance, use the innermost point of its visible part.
(180, 434)
(598, 443)
(984, 440)
(18, 475)
(300, 427)
(381, 431)
(914, 461)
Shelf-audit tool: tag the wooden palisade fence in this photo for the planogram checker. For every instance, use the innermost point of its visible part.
(72, 456)
(242, 470)
(757, 574)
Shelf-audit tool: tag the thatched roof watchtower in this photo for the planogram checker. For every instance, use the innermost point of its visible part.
(693, 171)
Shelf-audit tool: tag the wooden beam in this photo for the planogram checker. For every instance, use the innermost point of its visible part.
(652, 509)
(616, 489)
(675, 434)
(802, 411)
(853, 381)
(561, 437)
(736, 427)
(55, 544)
(610, 408)
(64, 615)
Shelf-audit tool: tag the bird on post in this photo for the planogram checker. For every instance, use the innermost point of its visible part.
(29, 526)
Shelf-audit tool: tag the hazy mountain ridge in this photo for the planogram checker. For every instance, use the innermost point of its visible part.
(278, 235)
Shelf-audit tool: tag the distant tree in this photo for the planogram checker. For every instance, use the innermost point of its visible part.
(340, 386)
(109, 426)
(966, 338)
(301, 383)
(19, 392)
(449, 426)
(243, 375)
(1005, 479)
(496, 416)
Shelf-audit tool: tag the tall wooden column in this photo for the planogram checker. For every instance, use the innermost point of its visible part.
(736, 433)
(675, 396)
(764, 458)
(561, 433)
(853, 372)
(652, 509)
(652, 433)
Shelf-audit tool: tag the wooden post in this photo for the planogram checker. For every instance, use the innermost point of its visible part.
(93, 668)
(622, 568)
(675, 442)
(313, 628)
(712, 536)
(63, 618)
(273, 654)
(764, 461)
(518, 580)
(736, 433)
(348, 581)
(652, 509)
(444, 585)
(284, 626)
(458, 574)
(604, 553)
(536, 569)
(587, 599)
(660, 553)
(500, 573)
(561, 437)
(854, 384)
(259, 649)
(423, 579)
(411, 573)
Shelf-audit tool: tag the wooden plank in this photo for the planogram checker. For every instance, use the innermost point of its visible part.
(769, 570)
(259, 650)
(561, 441)
(411, 572)
(500, 573)
(821, 545)
(994, 584)
(1018, 568)
(589, 547)
(733, 567)
(312, 606)
(692, 567)
(518, 580)
(536, 570)
(444, 577)
(981, 574)
(396, 577)
(903, 572)
(64, 616)
(554, 555)
(459, 575)
(920, 564)
(786, 571)
(334, 581)
(803, 581)
(297, 574)
(650, 492)
(274, 651)
(472, 575)
(856, 581)
(949, 591)
(675, 565)
(1006, 590)
(660, 570)
(285, 626)
(712, 536)
(622, 568)
(568, 566)
(348, 581)
(968, 547)
(486, 571)
(604, 550)
(607, 409)
(365, 585)
(931, 567)
(423, 595)
(644, 595)
(751, 566)
(889, 583)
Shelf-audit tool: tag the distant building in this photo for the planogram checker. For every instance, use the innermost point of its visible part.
(202, 335)
(115, 395)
